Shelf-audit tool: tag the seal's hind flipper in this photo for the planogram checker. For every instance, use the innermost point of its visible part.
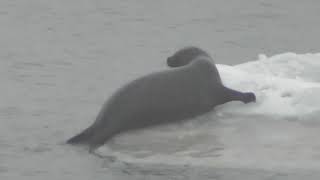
(93, 136)
(82, 138)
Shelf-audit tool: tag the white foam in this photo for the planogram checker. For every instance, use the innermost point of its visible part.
(285, 85)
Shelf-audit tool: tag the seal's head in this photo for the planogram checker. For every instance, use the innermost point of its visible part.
(185, 56)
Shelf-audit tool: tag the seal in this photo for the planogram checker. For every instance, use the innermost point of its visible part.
(190, 88)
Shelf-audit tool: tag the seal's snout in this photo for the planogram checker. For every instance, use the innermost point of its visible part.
(249, 97)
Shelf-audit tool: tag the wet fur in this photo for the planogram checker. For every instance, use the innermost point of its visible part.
(190, 89)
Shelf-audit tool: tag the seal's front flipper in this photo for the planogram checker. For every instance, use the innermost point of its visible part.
(233, 95)
(249, 97)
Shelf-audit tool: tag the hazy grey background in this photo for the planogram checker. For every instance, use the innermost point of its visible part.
(233, 31)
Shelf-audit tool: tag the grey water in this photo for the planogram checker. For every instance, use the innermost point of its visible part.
(232, 31)
(58, 59)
